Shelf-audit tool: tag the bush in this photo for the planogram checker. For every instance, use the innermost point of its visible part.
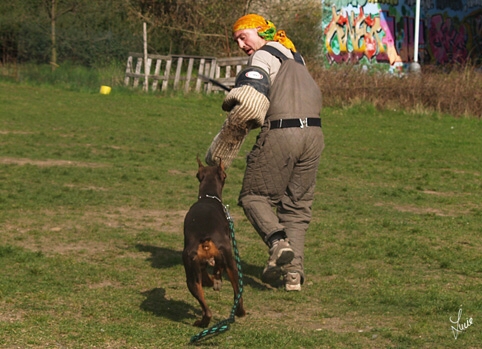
(457, 92)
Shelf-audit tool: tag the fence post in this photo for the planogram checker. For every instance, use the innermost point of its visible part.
(138, 72)
(156, 73)
(189, 73)
(200, 72)
(165, 83)
(177, 77)
(128, 70)
(146, 64)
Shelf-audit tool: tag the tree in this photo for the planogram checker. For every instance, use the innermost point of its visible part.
(187, 26)
(54, 14)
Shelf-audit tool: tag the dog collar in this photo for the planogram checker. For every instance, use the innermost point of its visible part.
(225, 207)
(212, 197)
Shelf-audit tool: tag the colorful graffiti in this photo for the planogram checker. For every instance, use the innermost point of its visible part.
(382, 31)
(448, 43)
(352, 37)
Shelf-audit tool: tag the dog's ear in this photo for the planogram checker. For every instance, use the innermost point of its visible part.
(222, 172)
(199, 161)
(199, 174)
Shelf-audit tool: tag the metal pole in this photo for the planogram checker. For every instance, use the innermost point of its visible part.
(415, 66)
(322, 30)
(417, 31)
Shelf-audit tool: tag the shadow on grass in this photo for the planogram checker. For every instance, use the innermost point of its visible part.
(157, 303)
(165, 258)
(161, 257)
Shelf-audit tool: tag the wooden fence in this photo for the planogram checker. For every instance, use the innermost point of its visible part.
(181, 72)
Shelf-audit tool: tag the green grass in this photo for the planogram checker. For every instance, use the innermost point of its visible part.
(94, 188)
(68, 76)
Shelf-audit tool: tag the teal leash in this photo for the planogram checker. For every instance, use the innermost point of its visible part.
(224, 325)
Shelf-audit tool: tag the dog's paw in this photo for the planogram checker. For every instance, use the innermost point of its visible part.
(204, 322)
(240, 312)
(217, 284)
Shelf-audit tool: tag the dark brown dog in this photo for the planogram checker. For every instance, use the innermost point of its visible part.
(207, 241)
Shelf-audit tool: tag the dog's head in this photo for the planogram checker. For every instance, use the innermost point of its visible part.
(211, 178)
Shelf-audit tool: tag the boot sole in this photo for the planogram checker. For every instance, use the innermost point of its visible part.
(293, 287)
(273, 274)
(285, 257)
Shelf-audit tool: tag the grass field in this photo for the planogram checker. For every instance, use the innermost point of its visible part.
(94, 188)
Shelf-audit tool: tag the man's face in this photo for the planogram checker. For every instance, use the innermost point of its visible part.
(248, 40)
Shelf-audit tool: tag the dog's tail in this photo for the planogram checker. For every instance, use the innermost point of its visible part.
(207, 251)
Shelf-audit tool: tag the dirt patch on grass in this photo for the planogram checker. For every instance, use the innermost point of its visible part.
(9, 313)
(3, 132)
(138, 219)
(86, 233)
(419, 210)
(81, 233)
(436, 193)
(423, 210)
(47, 163)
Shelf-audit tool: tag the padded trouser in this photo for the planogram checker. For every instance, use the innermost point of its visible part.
(279, 185)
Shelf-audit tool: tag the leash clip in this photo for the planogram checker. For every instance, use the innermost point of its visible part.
(303, 123)
(226, 212)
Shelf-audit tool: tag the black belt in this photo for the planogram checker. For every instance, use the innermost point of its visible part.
(285, 123)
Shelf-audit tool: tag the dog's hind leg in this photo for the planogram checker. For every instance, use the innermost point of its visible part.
(196, 289)
(198, 293)
(194, 284)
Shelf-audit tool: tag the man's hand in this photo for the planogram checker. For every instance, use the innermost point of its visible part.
(247, 109)
(246, 105)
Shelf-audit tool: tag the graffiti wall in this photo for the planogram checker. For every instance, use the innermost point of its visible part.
(383, 31)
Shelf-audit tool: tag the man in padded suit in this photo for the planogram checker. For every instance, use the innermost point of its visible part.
(275, 92)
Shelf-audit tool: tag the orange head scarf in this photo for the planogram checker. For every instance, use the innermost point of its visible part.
(266, 29)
